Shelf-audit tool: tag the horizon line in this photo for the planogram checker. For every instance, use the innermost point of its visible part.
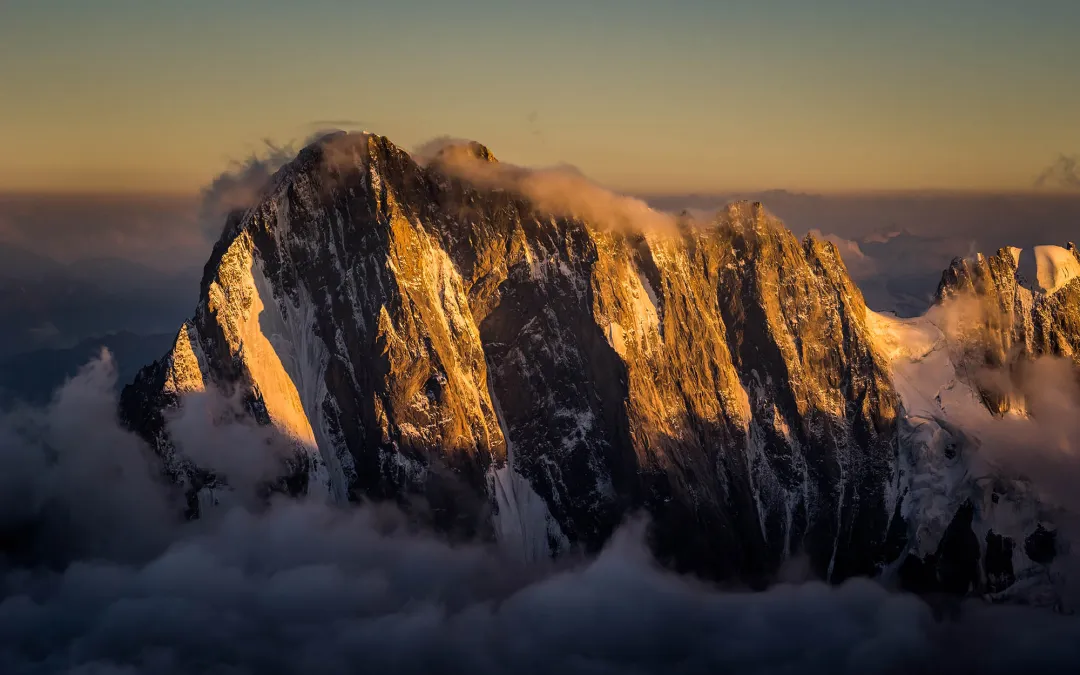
(728, 193)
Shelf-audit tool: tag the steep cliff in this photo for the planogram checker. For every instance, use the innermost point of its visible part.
(535, 376)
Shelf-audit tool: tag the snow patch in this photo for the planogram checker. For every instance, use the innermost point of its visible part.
(289, 370)
(616, 337)
(523, 523)
(583, 424)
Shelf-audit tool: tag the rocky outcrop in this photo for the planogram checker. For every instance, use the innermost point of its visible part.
(1010, 318)
(537, 377)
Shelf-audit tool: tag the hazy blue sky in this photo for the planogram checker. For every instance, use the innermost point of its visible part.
(657, 96)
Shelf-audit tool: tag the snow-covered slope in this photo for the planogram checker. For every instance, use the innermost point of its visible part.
(953, 489)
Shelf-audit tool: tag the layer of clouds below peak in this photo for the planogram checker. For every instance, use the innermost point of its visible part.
(302, 587)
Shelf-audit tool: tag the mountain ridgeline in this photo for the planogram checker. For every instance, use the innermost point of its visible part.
(513, 373)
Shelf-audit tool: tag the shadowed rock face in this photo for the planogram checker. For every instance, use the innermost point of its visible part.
(536, 378)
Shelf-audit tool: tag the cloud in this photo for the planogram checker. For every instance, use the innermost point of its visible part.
(216, 433)
(562, 191)
(244, 182)
(1041, 439)
(1064, 173)
(1040, 442)
(1037, 439)
(298, 586)
(75, 484)
(240, 186)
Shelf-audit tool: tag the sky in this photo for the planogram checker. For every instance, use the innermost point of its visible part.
(680, 96)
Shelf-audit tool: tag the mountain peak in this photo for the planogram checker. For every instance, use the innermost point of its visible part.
(521, 369)
(504, 369)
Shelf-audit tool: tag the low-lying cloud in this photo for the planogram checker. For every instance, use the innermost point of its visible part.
(75, 485)
(297, 586)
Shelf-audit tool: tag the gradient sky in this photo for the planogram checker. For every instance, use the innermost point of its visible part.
(683, 95)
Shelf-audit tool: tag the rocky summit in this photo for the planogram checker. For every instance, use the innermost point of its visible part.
(443, 334)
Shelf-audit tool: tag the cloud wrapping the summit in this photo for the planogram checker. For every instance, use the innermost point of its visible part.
(240, 186)
(561, 191)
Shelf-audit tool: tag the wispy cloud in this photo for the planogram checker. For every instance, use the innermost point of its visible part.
(240, 185)
(1064, 173)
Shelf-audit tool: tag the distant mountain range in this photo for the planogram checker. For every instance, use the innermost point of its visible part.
(45, 304)
(32, 377)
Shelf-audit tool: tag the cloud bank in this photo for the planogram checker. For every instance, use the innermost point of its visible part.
(303, 587)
